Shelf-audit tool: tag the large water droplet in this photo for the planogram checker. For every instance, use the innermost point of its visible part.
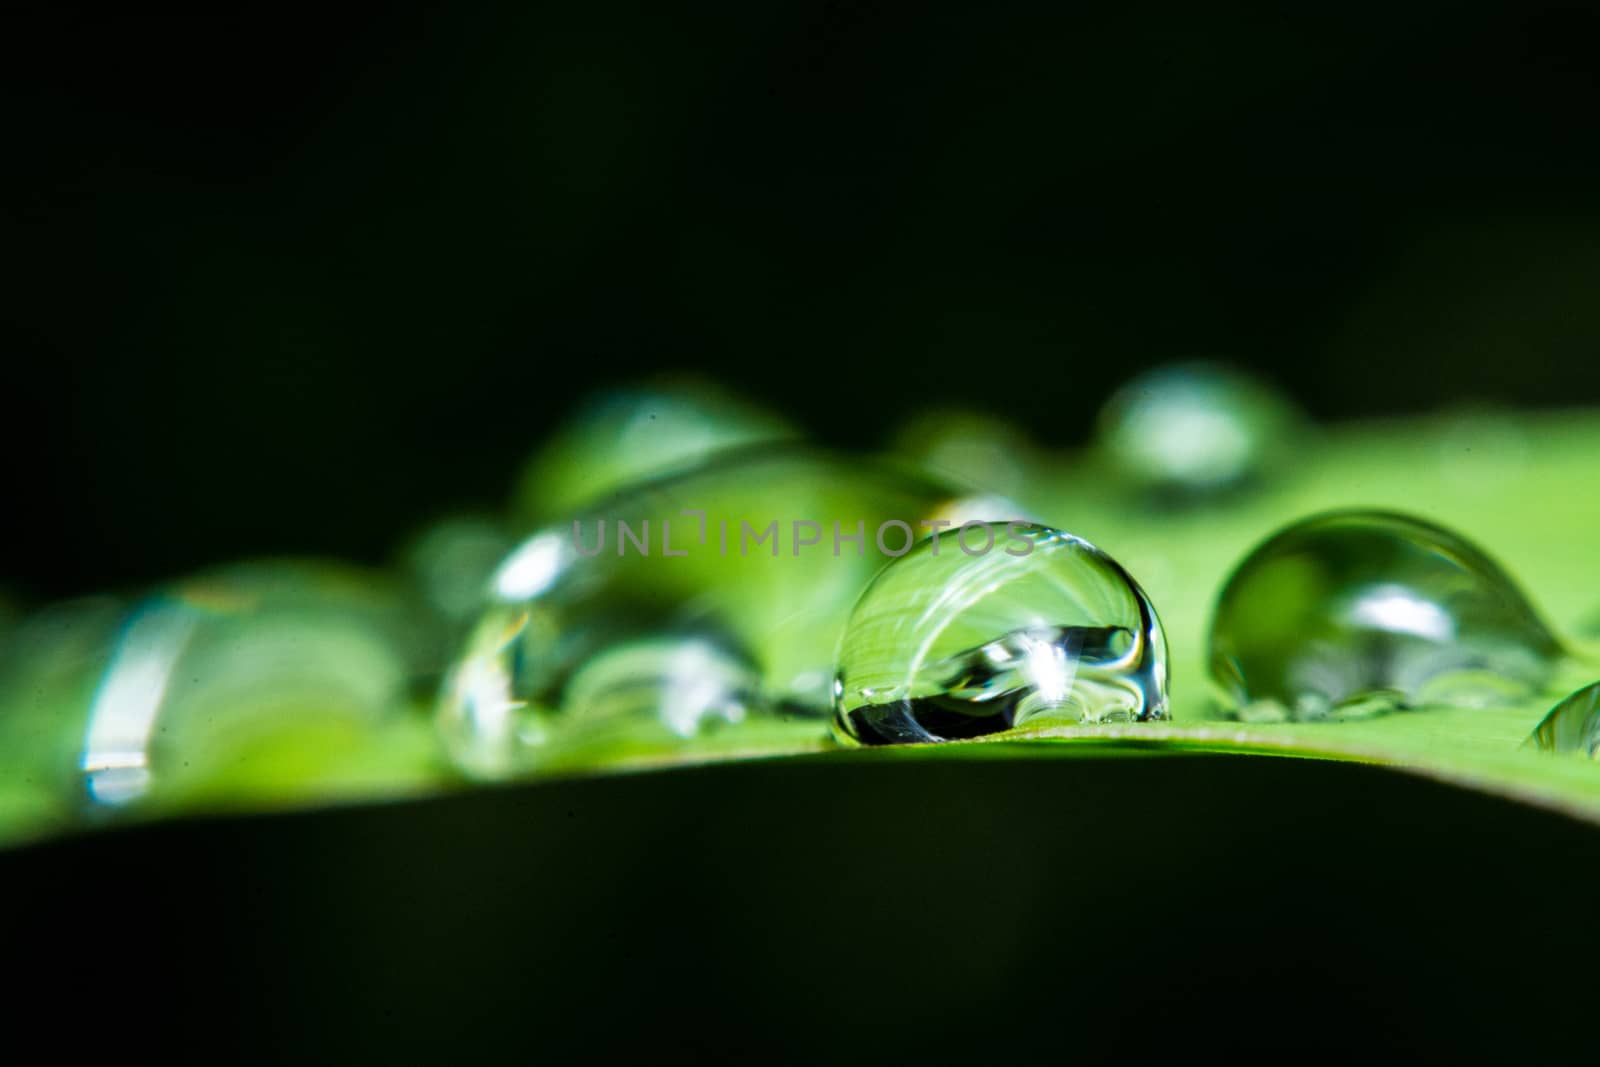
(754, 559)
(1194, 430)
(1572, 725)
(255, 681)
(630, 435)
(261, 681)
(1353, 613)
(1041, 627)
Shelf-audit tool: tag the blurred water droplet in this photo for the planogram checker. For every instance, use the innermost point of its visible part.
(1572, 725)
(451, 563)
(757, 565)
(652, 693)
(1042, 628)
(622, 437)
(969, 448)
(1356, 613)
(1195, 430)
(261, 681)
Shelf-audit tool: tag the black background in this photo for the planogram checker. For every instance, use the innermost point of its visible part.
(296, 284)
(1177, 910)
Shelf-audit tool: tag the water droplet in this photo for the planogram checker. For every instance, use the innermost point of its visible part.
(969, 448)
(1354, 613)
(626, 436)
(267, 680)
(757, 555)
(1195, 430)
(259, 681)
(451, 562)
(1572, 725)
(653, 695)
(1041, 628)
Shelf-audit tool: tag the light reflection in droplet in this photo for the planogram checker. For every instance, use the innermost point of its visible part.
(533, 567)
(116, 748)
(1395, 609)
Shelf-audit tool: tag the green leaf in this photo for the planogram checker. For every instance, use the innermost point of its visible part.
(1523, 497)
(1521, 489)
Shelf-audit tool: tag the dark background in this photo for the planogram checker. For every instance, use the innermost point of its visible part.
(855, 909)
(287, 283)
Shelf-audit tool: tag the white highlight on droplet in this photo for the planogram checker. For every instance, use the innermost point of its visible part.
(1395, 609)
(532, 568)
(116, 751)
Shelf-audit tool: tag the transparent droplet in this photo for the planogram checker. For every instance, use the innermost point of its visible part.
(1572, 725)
(1194, 430)
(640, 698)
(968, 448)
(451, 563)
(257, 682)
(758, 554)
(281, 679)
(630, 435)
(1354, 613)
(1040, 628)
